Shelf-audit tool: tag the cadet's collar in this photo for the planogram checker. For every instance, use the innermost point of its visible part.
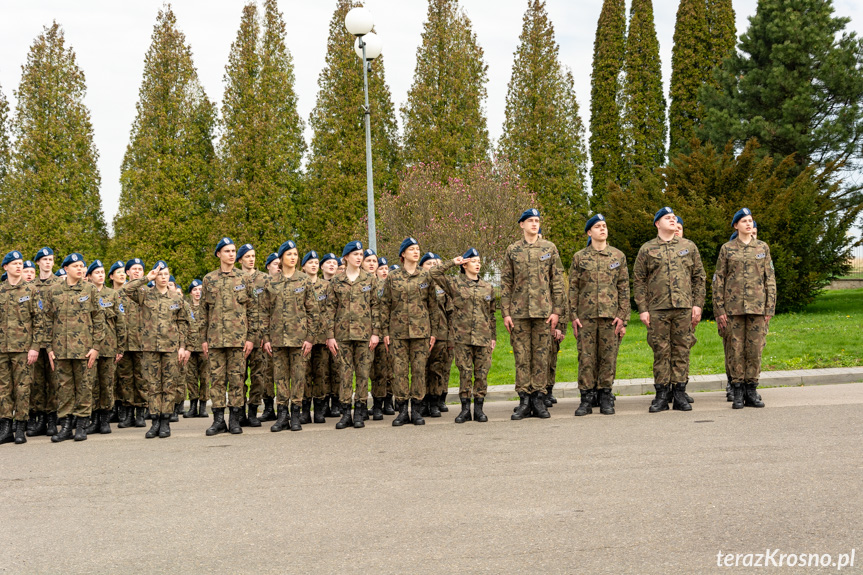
(742, 244)
(230, 273)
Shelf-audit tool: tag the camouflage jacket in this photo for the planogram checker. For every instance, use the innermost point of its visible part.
(115, 323)
(39, 287)
(668, 275)
(132, 314)
(443, 329)
(74, 320)
(196, 327)
(164, 319)
(231, 313)
(409, 305)
(473, 304)
(353, 309)
(20, 318)
(744, 282)
(260, 281)
(599, 285)
(289, 311)
(192, 342)
(532, 282)
(321, 287)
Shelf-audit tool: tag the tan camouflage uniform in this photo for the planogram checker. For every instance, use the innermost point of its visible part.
(20, 331)
(197, 368)
(441, 355)
(115, 342)
(323, 364)
(43, 392)
(133, 385)
(259, 360)
(382, 364)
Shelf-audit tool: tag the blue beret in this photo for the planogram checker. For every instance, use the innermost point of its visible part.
(406, 244)
(288, 245)
(754, 225)
(663, 212)
(679, 220)
(172, 280)
(151, 284)
(60, 273)
(593, 221)
(226, 241)
(740, 215)
(352, 247)
(73, 258)
(46, 251)
(733, 237)
(29, 265)
(369, 252)
(531, 213)
(312, 255)
(160, 264)
(329, 256)
(426, 257)
(134, 262)
(94, 266)
(589, 240)
(271, 258)
(244, 249)
(12, 256)
(195, 283)
(470, 253)
(341, 261)
(3, 277)
(395, 267)
(115, 266)
(382, 261)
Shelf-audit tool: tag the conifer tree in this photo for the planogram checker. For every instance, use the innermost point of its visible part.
(723, 30)
(691, 68)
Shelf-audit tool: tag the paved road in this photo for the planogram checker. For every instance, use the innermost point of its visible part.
(630, 493)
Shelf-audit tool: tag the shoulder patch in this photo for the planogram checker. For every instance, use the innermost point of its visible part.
(40, 305)
(120, 307)
(683, 252)
(545, 257)
(614, 266)
(83, 298)
(22, 299)
(104, 303)
(192, 315)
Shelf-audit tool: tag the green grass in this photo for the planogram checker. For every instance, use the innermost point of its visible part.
(827, 334)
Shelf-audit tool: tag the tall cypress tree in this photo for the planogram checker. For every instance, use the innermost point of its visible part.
(168, 172)
(443, 117)
(54, 162)
(5, 162)
(606, 131)
(723, 30)
(691, 68)
(543, 135)
(262, 144)
(335, 197)
(644, 101)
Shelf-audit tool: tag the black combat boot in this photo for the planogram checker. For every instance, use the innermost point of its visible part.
(388, 405)
(234, 426)
(335, 406)
(165, 427)
(193, 409)
(202, 408)
(549, 395)
(594, 398)
(139, 417)
(178, 411)
(281, 423)
(81, 428)
(729, 391)
(306, 412)
(464, 415)
(51, 424)
(606, 405)
(750, 395)
(154, 428)
(346, 420)
(441, 403)
(737, 391)
(586, 405)
(128, 419)
(93, 425)
(686, 395)
(38, 425)
(20, 432)
(320, 410)
(359, 419)
(243, 419)
(433, 407)
(296, 417)
(218, 422)
(402, 416)
(680, 402)
(416, 412)
(424, 406)
(546, 400)
(523, 409)
(538, 401)
(377, 408)
(661, 401)
(253, 415)
(105, 423)
(65, 430)
(365, 410)
(478, 414)
(269, 413)
(115, 412)
(31, 421)
(6, 433)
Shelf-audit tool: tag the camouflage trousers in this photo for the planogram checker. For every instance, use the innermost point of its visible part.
(354, 359)
(597, 353)
(133, 386)
(531, 342)
(723, 333)
(322, 380)
(669, 336)
(16, 377)
(227, 377)
(438, 368)
(197, 375)
(103, 383)
(382, 371)
(473, 363)
(259, 372)
(74, 387)
(552, 362)
(161, 371)
(179, 384)
(746, 337)
(409, 357)
(290, 369)
(43, 392)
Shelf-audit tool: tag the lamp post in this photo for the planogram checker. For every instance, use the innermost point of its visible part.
(367, 46)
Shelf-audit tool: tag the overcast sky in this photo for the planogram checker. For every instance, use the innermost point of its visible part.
(111, 38)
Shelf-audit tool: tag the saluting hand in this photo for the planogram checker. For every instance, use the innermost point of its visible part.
(458, 260)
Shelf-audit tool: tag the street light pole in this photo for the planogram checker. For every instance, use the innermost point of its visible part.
(370, 188)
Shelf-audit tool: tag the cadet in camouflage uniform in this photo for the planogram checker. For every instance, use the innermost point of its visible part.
(29, 273)
(558, 334)
(197, 368)
(179, 386)
(440, 357)
(43, 393)
(110, 353)
(258, 360)
(133, 385)
(20, 325)
(409, 315)
(474, 329)
(165, 330)
(669, 289)
(382, 363)
(692, 338)
(289, 323)
(532, 299)
(599, 312)
(117, 275)
(75, 327)
(230, 317)
(317, 382)
(274, 271)
(744, 301)
(353, 328)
